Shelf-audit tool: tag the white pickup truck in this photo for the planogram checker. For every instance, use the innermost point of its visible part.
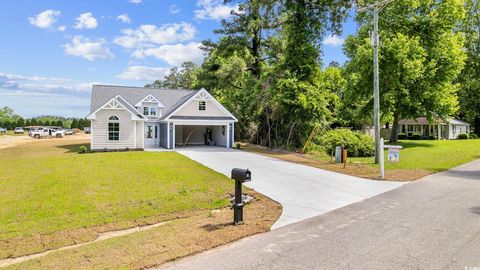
(44, 132)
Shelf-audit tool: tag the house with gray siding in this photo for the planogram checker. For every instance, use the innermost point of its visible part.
(439, 128)
(139, 118)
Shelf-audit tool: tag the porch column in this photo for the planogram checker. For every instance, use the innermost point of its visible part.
(439, 131)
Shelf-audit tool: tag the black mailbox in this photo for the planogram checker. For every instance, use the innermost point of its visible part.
(241, 175)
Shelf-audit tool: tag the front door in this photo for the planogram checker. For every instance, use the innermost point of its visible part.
(152, 135)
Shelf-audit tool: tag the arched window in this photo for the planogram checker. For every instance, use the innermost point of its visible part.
(113, 128)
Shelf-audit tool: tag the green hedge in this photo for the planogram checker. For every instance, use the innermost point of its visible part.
(473, 136)
(358, 145)
(416, 136)
(463, 136)
(402, 136)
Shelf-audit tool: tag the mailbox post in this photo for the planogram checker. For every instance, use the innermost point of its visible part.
(240, 176)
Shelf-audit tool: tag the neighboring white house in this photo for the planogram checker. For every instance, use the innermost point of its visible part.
(440, 128)
(138, 118)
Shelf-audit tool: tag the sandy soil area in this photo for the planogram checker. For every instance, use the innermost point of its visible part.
(12, 141)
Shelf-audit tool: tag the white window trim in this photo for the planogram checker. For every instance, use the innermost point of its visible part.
(110, 121)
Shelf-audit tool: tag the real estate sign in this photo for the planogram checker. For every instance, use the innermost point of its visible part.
(394, 154)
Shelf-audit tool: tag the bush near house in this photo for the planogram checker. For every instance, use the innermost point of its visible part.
(358, 145)
(473, 136)
(402, 136)
(416, 136)
(462, 136)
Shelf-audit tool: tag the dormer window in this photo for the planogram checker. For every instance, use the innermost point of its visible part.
(202, 105)
(150, 111)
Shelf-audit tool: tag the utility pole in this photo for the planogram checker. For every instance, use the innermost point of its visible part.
(375, 9)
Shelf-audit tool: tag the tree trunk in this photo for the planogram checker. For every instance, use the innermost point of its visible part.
(290, 134)
(394, 134)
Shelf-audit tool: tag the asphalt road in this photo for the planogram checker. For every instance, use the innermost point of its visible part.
(303, 191)
(433, 223)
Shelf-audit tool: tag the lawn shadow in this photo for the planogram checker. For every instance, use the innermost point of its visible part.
(412, 144)
(472, 175)
(475, 210)
(214, 227)
(72, 148)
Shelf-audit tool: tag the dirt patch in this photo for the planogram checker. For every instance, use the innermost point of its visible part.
(179, 238)
(354, 169)
(12, 141)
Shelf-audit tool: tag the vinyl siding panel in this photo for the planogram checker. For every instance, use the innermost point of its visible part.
(139, 134)
(100, 130)
(191, 109)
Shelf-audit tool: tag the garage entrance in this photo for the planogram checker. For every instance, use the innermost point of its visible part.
(210, 135)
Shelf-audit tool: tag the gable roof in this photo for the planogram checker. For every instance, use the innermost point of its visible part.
(170, 98)
(458, 122)
(436, 120)
(197, 94)
(115, 103)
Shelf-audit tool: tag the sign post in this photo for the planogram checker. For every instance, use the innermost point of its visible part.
(393, 156)
(381, 160)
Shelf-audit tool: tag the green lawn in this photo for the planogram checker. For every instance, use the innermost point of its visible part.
(50, 190)
(431, 155)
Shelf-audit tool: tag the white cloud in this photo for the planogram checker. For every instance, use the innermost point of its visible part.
(135, 1)
(333, 41)
(90, 50)
(124, 18)
(86, 21)
(37, 95)
(147, 35)
(45, 19)
(174, 9)
(143, 73)
(173, 54)
(214, 10)
(61, 28)
(36, 85)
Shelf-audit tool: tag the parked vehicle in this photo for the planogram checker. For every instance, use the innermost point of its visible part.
(3, 130)
(69, 132)
(44, 132)
(87, 130)
(18, 130)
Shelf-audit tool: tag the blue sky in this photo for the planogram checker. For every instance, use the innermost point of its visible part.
(53, 51)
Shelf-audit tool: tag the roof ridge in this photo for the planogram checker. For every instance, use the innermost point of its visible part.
(124, 86)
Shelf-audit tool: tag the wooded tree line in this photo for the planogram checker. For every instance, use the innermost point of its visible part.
(267, 66)
(10, 120)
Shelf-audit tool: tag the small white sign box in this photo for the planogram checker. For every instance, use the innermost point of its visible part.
(393, 152)
(393, 155)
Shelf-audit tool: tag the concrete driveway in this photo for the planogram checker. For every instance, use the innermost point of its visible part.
(433, 223)
(303, 191)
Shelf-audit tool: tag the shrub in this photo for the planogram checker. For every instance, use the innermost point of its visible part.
(238, 145)
(358, 145)
(416, 136)
(431, 137)
(83, 149)
(473, 136)
(462, 136)
(402, 136)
